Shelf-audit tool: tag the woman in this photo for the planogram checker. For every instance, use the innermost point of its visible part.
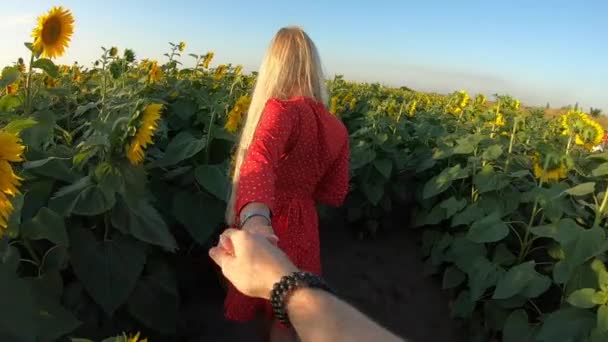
(292, 153)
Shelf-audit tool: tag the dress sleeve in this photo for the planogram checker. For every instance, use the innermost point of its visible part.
(259, 169)
(334, 185)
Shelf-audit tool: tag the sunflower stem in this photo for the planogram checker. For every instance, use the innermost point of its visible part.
(569, 145)
(209, 134)
(525, 248)
(28, 87)
(600, 212)
(511, 145)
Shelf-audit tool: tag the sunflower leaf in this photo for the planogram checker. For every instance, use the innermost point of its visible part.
(47, 66)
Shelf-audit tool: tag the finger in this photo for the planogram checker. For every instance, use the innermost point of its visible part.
(219, 256)
(226, 244)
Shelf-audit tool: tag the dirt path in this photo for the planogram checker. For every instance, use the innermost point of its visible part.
(382, 277)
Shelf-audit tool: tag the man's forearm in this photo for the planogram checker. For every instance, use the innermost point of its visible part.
(319, 316)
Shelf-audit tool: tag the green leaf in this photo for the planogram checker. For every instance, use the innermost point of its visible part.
(182, 147)
(517, 328)
(53, 320)
(488, 180)
(503, 256)
(492, 152)
(441, 182)
(489, 229)
(158, 287)
(46, 225)
(16, 126)
(601, 170)
(384, 166)
(564, 231)
(471, 213)
(452, 206)
(9, 75)
(602, 318)
(17, 308)
(463, 305)
(214, 179)
(82, 198)
(582, 298)
(521, 279)
(108, 269)
(47, 66)
(581, 189)
(483, 274)
(464, 253)
(199, 213)
(569, 324)
(587, 244)
(52, 167)
(9, 103)
(452, 277)
(146, 224)
(360, 156)
(184, 108)
(373, 190)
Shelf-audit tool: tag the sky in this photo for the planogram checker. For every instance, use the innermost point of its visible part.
(541, 51)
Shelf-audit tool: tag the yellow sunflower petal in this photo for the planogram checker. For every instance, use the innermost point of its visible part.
(53, 33)
(144, 134)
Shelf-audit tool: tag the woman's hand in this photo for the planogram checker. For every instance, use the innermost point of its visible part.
(259, 226)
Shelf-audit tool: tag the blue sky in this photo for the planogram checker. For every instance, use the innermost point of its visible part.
(540, 51)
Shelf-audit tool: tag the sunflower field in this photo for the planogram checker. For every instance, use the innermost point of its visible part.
(109, 172)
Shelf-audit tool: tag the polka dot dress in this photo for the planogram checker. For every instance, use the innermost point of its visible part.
(299, 156)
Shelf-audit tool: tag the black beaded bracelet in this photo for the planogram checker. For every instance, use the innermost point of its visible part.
(284, 288)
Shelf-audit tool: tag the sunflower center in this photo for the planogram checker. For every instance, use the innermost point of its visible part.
(51, 31)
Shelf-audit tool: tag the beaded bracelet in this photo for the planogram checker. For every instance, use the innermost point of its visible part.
(283, 289)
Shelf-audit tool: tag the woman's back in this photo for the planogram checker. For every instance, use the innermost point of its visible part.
(315, 143)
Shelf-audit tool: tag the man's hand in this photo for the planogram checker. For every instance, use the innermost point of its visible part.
(251, 263)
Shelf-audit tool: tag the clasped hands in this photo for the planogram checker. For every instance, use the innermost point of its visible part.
(257, 226)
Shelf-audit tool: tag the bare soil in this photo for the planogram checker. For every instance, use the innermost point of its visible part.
(382, 277)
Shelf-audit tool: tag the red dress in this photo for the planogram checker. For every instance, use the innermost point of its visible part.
(299, 156)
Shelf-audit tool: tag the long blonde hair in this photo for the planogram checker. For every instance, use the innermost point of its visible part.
(291, 67)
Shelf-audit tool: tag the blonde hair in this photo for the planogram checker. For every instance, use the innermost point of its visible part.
(291, 67)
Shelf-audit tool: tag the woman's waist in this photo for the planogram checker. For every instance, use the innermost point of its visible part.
(286, 199)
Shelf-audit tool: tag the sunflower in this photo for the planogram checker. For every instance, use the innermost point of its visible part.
(11, 89)
(53, 33)
(155, 73)
(236, 114)
(238, 70)
(11, 150)
(411, 110)
(458, 102)
(220, 71)
(113, 51)
(207, 60)
(20, 65)
(77, 74)
(480, 100)
(555, 171)
(181, 47)
(144, 134)
(353, 104)
(50, 82)
(500, 120)
(586, 131)
(333, 105)
(135, 338)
